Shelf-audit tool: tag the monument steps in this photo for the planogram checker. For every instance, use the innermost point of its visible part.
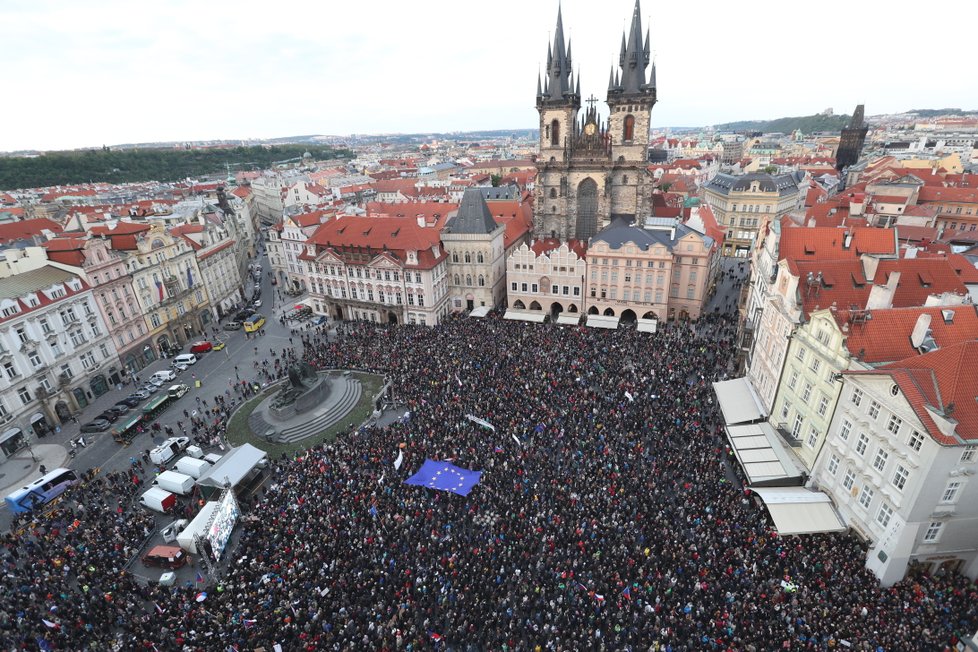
(348, 400)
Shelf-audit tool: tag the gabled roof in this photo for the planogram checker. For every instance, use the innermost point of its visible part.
(942, 379)
(885, 336)
(546, 246)
(829, 243)
(19, 285)
(27, 229)
(473, 216)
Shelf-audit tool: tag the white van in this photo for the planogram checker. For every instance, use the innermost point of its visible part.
(185, 358)
(161, 377)
(168, 450)
(176, 391)
(192, 467)
(158, 500)
(174, 482)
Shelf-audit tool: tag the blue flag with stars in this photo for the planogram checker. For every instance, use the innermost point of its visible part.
(445, 476)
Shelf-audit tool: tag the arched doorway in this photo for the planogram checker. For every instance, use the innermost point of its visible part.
(338, 313)
(99, 385)
(573, 308)
(684, 315)
(131, 363)
(62, 410)
(593, 310)
(519, 305)
(188, 332)
(649, 315)
(628, 316)
(535, 306)
(163, 344)
(587, 209)
(608, 312)
(556, 309)
(391, 317)
(79, 395)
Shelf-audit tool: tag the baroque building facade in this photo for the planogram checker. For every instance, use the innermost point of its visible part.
(592, 170)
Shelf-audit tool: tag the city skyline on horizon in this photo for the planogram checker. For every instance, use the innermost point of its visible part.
(205, 73)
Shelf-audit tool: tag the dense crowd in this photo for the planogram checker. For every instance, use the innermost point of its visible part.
(609, 516)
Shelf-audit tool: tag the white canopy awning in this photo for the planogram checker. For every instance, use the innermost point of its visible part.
(569, 318)
(737, 401)
(647, 325)
(233, 466)
(600, 321)
(796, 510)
(763, 456)
(526, 315)
(10, 434)
(479, 311)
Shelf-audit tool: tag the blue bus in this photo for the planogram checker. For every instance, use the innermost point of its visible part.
(42, 491)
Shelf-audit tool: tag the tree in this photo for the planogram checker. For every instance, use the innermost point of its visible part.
(495, 179)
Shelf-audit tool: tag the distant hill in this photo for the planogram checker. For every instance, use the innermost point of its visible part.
(122, 166)
(808, 124)
(931, 113)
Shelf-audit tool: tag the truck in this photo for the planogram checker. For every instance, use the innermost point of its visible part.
(192, 466)
(174, 482)
(158, 500)
(168, 450)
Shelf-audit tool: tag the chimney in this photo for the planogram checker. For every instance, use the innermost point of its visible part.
(421, 221)
(920, 330)
(870, 263)
(881, 296)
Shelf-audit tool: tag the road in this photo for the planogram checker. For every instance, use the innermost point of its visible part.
(215, 370)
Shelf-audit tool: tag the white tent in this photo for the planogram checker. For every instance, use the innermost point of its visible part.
(600, 321)
(647, 325)
(197, 527)
(796, 510)
(569, 318)
(763, 457)
(737, 401)
(232, 467)
(479, 311)
(526, 315)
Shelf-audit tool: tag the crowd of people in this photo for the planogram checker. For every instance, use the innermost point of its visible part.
(609, 516)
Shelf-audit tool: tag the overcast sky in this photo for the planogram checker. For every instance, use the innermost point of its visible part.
(80, 74)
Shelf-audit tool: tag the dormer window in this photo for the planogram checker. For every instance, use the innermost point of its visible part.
(74, 284)
(31, 300)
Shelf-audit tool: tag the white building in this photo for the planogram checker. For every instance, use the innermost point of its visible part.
(900, 458)
(55, 351)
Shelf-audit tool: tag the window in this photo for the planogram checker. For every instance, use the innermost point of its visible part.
(800, 354)
(816, 364)
(812, 437)
(823, 406)
(893, 425)
(154, 320)
(25, 396)
(10, 370)
(784, 410)
(866, 497)
(22, 334)
(950, 494)
(34, 358)
(916, 440)
(874, 409)
(884, 515)
(806, 393)
(793, 379)
(628, 130)
(900, 476)
(857, 396)
(514, 286)
(879, 462)
(845, 429)
(834, 464)
(933, 532)
(849, 480)
(796, 429)
(46, 327)
(862, 443)
(533, 288)
(88, 360)
(969, 454)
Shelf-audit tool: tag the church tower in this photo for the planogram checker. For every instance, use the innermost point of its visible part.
(852, 139)
(557, 100)
(630, 96)
(592, 170)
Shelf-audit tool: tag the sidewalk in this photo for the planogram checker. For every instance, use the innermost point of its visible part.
(16, 471)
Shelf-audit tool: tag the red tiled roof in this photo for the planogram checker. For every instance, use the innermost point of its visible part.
(947, 195)
(435, 213)
(940, 379)
(890, 199)
(27, 229)
(546, 245)
(885, 336)
(206, 253)
(828, 243)
(909, 233)
(398, 234)
(516, 216)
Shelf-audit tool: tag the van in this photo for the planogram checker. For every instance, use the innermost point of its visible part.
(158, 500)
(176, 391)
(174, 482)
(192, 467)
(185, 358)
(168, 450)
(161, 377)
(171, 531)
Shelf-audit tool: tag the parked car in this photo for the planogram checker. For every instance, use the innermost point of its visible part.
(109, 416)
(98, 425)
(243, 315)
(148, 388)
(201, 347)
(165, 556)
(176, 391)
(180, 366)
(234, 325)
(321, 319)
(120, 408)
(161, 377)
(256, 303)
(133, 400)
(218, 346)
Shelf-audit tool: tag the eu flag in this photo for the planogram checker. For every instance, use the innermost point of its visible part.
(445, 476)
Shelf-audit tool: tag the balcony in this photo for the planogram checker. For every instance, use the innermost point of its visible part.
(790, 439)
